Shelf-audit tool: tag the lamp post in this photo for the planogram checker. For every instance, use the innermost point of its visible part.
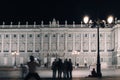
(109, 20)
(99, 74)
(15, 54)
(75, 53)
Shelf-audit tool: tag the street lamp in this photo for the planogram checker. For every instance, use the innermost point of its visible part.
(109, 20)
(15, 54)
(99, 74)
(75, 53)
(86, 19)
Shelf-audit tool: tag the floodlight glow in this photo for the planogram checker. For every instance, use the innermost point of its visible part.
(110, 19)
(86, 19)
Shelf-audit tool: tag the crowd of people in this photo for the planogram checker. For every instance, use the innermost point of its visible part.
(62, 67)
(58, 67)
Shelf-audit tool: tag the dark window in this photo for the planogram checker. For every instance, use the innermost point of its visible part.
(101, 35)
(22, 36)
(6, 36)
(62, 35)
(93, 35)
(36, 50)
(6, 51)
(69, 50)
(85, 35)
(54, 35)
(38, 35)
(70, 35)
(85, 50)
(46, 35)
(14, 36)
(93, 50)
(29, 51)
(30, 35)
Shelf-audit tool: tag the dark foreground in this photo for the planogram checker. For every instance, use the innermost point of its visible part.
(104, 78)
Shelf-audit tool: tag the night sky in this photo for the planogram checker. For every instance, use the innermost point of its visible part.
(46, 10)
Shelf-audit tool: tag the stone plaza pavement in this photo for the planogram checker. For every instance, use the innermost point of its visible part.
(14, 74)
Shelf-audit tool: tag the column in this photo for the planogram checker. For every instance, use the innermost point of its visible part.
(26, 42)
(66, 42)
(33, 42)
(18, 39)
(10, 44)
(81, 42)
(105, 42)
(89, 42)
(58, 42)
(2, 42)
(42, 41)
(73, 41)
(49, 41)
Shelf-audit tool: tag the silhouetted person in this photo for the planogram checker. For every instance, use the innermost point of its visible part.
(54, 68)
(60, 68)
(70, 68)
(32, 69)
(65, 68)
(23, 70)
(93, 73)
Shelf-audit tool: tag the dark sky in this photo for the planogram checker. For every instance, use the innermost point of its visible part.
(71, 10)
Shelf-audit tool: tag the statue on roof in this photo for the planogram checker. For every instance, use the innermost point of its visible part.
(54, 22)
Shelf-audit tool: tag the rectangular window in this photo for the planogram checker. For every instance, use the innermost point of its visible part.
(69, 35)
(62, 35)
(38, 35)
(22, 36)
(86, 35)
(15, 36)
(93, 35)
(46, 35)
(54, 35)
(30, 35)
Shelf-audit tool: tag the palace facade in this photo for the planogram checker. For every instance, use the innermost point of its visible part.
(47, 42)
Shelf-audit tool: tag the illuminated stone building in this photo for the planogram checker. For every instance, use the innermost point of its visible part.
(47, 42)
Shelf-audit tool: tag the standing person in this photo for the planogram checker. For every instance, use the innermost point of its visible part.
(70, 68)
(60, 68)
(32, 69)
(23, 70)
(65, 68)
(54, 68)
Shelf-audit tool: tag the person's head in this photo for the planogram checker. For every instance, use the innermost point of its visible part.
(65, 60)
(69, 60)
(93, 69)
(31, 58)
